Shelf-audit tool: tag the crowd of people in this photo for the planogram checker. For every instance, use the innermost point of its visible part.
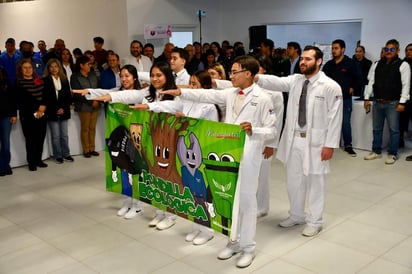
(286, 102)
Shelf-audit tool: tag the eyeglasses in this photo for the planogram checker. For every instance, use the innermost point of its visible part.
(234, 72)
(390, 50)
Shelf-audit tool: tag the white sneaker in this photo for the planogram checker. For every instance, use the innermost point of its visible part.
(310, 231)
(133, 212)
(123, 210)
(165, 223)
(190, 237)
(156, 220)
(227, 253)
(289, 223)
(372, 156)
(391, 159)
(245, 259)
(202, 238)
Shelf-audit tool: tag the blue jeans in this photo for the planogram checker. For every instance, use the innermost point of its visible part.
(346, 126)
(59, 138)
(380, 112)
(5, 130)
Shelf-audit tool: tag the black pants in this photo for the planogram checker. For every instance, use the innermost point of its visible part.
(34, 131)
(404, 119)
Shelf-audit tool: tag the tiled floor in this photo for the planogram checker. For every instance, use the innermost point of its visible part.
(61, 220)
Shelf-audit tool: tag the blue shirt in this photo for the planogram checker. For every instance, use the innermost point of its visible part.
(9, 64)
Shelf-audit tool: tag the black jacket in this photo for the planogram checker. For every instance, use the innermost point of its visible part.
(53, 103)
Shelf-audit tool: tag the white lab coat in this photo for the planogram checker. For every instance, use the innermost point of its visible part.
(258, 110)
(324, 118)
(263, 191)
(138, 96)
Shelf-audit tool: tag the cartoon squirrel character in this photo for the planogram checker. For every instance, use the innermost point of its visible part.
(191, 159)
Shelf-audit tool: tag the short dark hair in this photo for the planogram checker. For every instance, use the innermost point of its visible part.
(148, 45)
(182, 53)
(77, 51)
(136, 41)
(318, 52)
(362, 47)
(295, 45)
(81, 61)
(98, 39)
(268, 43)
(10, 41)
(393, 42)
(248, 63)
(340, 42)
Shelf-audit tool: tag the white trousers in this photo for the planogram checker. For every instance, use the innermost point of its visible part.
(299, 185)
(263, 191)
(249, 172)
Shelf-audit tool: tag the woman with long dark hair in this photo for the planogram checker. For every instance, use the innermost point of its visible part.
(161, 78)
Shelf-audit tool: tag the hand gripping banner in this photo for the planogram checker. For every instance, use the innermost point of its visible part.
(182, 165)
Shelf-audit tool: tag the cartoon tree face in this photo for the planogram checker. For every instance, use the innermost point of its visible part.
(165, 129)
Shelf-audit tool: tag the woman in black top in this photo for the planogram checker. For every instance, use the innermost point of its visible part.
(29, 89)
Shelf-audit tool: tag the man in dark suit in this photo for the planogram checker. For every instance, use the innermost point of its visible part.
(294, 51)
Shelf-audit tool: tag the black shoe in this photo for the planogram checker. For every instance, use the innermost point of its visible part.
(42, 164)
(69, 159)
(2, 173)
(32, 168)
(94, 153)
(87, 155)
(350, 151)
(59, 160)
(409, 158)
(9, 172)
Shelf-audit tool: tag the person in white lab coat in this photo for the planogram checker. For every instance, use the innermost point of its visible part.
(306, 148)
(160, 78)
(200, 234)
(248, 106)
(263, 191)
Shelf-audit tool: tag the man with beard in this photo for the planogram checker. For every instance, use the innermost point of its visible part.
(141, 62)
(307, 145)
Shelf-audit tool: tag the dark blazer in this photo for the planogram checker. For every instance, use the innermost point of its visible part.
(8, 106)
(296, 69)
(78, 81)
(53, 102)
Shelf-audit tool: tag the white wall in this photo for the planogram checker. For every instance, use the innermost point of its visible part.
(381, 19)
(75, 21)
(178, 13)
(119, 21)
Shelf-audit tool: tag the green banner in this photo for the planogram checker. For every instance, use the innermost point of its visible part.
(182, 165)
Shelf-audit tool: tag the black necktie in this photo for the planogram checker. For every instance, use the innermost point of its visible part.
(302, 105)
